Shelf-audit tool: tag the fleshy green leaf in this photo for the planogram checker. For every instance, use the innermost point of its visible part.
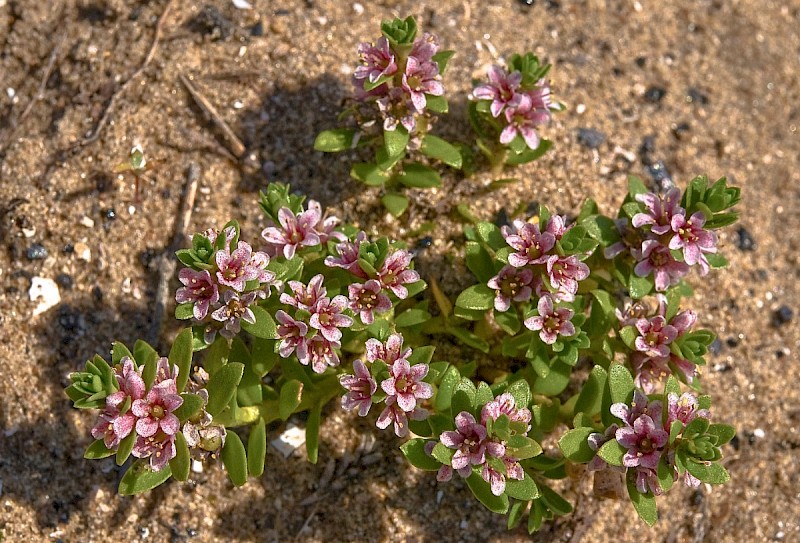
(264, 327)
(395, 141)
(620, 384)
(575, 445)
(529, 155)
(291, 393)
(97, 450)
(257, 448)
(442, 150)
(411, 317)
(522, 490)
(140, 478)
(118, 352)
(369, 174)
(125, 447)
(555, 502)
(639, 287)
(711, 473)
(419, 176)
(182, 461)
(146, 357)
(181, 355)
(334, 141)
(222, 386)
(645, 504)
(436, 104)
(190, 406)
(234, 458)
(612, 452)
(477, 298)
(482, 491)
(395, 203)
(590, 398)
(414, 451)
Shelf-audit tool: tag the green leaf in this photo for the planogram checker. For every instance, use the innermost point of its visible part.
(222, 386)
(477, 297)
(439, 149)
(620, 384)
(442, 58)
(263, 356)
(535, 516)
(482, 491)
(645, 504)
(264, 327)
(411, 317)
(140, 478)
(182, 461)
(575, 445)
(612, 452)
(181, 355)
(395, 141)
(491, 235)
(665, 474)
(711, 473)
(468, 338)
(522, 490)
(444, 394)
(414, 451)
(515, 513)
(419, 176)
(146, 357)
(184, 311)
(556, 381)
(234, 458)
(118, 352)
(509, 321)
(395, 203)
(190, 406)
(716, 260)
(436, 104)
(312, 433)
(369, 174)
(639, 287)
(723, 432)
(602, 229)
(555, 502)
(529, 155)
(635, 186)
(334, 141)
(521, 392)
(291, 394)
(591, 396)
(97, 450)
(217, 355)
(125, 447)
(257, 448)
(628, 335)
(421, 355)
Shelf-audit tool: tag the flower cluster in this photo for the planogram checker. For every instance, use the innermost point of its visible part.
(398, 80)
(519, 102)
(654, 359)
(476, 447)
(295, 231)
(663, 241)
(146, 414)
(221, 292)
(403, 386)
(645, 436)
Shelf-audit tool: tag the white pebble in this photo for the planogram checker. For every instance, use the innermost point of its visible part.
(238, 104)
(291, 439)
(242, 4)
(197, 466)
(11, 92)
(580, 109)
(87, 222)
(358, 8)
(29, 232)
(47, 290)
(759, 433)
(83, 251)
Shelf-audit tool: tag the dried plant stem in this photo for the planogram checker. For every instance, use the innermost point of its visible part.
(231, 139)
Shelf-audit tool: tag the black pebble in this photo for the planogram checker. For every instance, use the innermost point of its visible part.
(641, 61)
(782, 315)
(735, 442)
(501, 219)
(97, 293)
(696, 97)
(744, 240)
(64, 280)
(423, 243)
(68, 249)
(71, 320)
(732, 342)
(716, 347)
(591, 138)
(679, 129)
(697, 498)
(36, 251)
(648, 146)
(109, 214)
(658, 171)
(257, 29)
(211, 22)
(527, 2)
(191, 532)
(654, 94)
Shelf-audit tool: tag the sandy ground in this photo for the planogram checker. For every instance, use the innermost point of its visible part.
(713, 84)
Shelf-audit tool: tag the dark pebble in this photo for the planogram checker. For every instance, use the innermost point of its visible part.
(210, 22)
(782, 315)
(257, 29)
(283, 12)
(659, 173)
(36, 252)
(735, 442)
(97, 294)
(68, 249)
(501, 219)
(679, 129)
(655, 94)
(532, 209)
(716, 347)
(744, 240)
(424, 243)
(641, 61)
(191, 532)
(527, 2)
(696, 97)
(109, 214)
(648, 146)
(64, 280)
(591, 138)
(732, 342)
(697, 498)
(147, 257)
(71, 320)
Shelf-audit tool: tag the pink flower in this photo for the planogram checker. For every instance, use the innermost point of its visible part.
(645, 440)
(164, 371)
(405, 384)
(395, 273)
(564, 273)
(470, 442)
(305, 297)
(650, 372)
(659, 210)
(505, 404)
(693, 239)
(531, 244)
(241, 266)
(497, 480)
(655, 335)
(327, 317)
(292, 334)
(522, 120)
(640, 405)
(367, 299)
(656, 258)
(511, 284)
(296, 231)
(556, 225)
(390, 353)
(396, 107)
(112, 427)
(199, 288)
(647, 480)
(377, 60)
(235, 310)
(393, 414)
(597, 440)
(159, 447)
(551, 322)
(425, 47)
(155, 410)
(501, 90)
(421, 78)
(347, 258)
(131, 384)
(321, 354)
(325, 226)
(360, 388)
(684, 408)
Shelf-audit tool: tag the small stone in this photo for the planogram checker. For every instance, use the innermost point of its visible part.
(732, 342)
(591, 138)
(716, 347)
(110, 214)
(358, 8)
(641, 61)
(694, 96)
(424, 243)
(83, 252)
(36, 251)
(697, 498)
(501, 219)
(197, 466)
(191, 532)
(257, 30)
(97, 294)
(654, 94)
(679, 129)
(28, 232)
(658, 172)
(744, 240)
(735, 442)
(64, 280)
(289, 440)
(47, 290)
(782, 315)
(88, 222)
(580, 109)
(759, 433)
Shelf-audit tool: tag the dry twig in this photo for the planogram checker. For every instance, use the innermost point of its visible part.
(234, 143)
(166, 266)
